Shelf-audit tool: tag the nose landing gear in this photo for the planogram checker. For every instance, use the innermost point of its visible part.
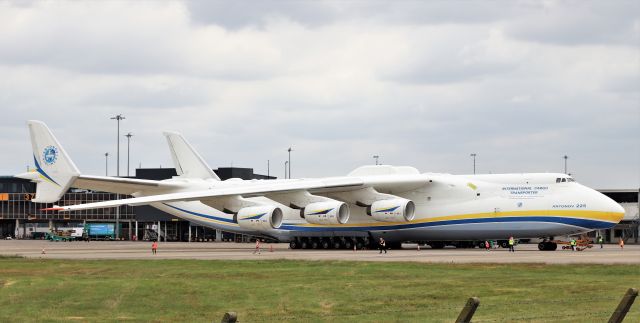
(547, 246)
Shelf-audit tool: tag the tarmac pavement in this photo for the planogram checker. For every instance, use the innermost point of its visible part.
(525, 253)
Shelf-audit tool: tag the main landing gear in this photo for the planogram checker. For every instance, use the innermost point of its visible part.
(329, 243)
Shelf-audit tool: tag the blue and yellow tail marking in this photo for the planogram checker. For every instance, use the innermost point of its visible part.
(43, 174)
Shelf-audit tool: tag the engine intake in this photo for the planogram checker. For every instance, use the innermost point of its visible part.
(331, 212)
(393, 210)
(260, 218)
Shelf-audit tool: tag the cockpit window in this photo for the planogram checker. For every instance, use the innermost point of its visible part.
(570, 179)
(564, 180)
(558, 180)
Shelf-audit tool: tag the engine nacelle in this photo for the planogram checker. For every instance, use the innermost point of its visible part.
(330, 212)
(260, 218)
(393, 210)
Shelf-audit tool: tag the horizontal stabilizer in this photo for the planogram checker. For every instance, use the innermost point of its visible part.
(126, 186)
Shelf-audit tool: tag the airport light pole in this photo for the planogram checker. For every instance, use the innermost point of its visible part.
(565, 163)
(285, 169)
(376, 158)
(128, 135)
(268, 169)
(106, 164)
(118, 118)
(474, 162)
(289, 150)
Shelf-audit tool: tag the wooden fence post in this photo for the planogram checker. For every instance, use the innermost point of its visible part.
(624, 306)
(468, 310)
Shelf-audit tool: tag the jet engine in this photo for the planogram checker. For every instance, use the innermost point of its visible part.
(330, 212)
(260, 218)
(393, 210)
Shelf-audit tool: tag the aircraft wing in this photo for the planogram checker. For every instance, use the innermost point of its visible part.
(244, 189)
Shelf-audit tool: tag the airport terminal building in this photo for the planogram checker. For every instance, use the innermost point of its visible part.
(22, 219)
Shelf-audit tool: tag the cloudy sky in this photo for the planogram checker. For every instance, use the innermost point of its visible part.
(420, 83)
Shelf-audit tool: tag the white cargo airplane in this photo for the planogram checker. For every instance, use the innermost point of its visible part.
(397, 203)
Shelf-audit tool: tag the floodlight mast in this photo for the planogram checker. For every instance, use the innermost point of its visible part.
(474, 162)
(118, 118)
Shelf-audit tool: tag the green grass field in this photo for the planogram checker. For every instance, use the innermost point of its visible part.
(307, 291)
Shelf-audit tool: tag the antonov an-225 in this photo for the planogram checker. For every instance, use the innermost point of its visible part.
(397, 203)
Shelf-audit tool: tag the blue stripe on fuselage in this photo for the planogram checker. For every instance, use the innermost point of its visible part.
(585, 223)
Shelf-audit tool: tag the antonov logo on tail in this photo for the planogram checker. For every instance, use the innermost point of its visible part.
(50, 155)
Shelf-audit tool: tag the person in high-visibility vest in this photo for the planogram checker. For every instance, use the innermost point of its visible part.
(573, 244)
(511, 243)
(600, 241)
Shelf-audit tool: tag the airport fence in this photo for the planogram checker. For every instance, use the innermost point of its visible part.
(472, 305)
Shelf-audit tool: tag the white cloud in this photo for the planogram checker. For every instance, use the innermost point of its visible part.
(422, 84)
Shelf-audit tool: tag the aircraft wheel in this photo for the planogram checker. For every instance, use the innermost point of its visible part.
(326, 244)
(547, 246)
(348, 244)
(359, 244)
(337, 244)
(437, 245)
(304, 244)
(294, 244)
(314, 244)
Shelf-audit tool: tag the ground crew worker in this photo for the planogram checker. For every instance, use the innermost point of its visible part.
(487, 245)
(383, 245)
(511, 244)
(600, 241)
(621, 243)
(154, 247)
(573, 244)
(257, 247)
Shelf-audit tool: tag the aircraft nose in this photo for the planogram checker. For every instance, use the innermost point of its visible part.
(616, 208)
(613, 207)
